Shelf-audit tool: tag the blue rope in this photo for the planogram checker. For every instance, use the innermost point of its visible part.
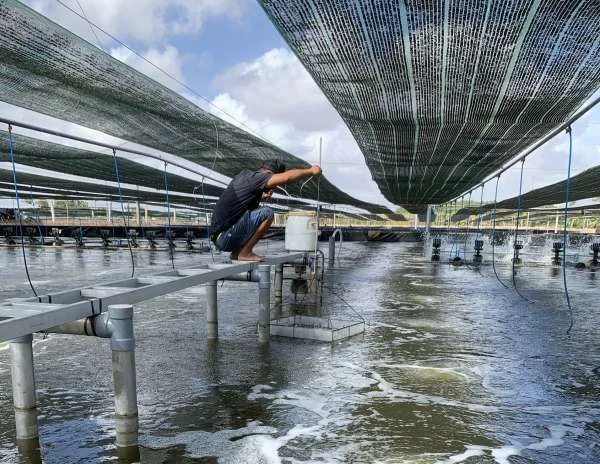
(168, 232)
(565, 229)
(125, 225)
(494, 234)
(514, 274)
(14, 176)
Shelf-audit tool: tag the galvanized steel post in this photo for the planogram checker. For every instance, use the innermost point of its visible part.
(23, 387)
(331, 260)
(122, 344)
(428, 219)
(212, 316)
(278, 284)
(264, 302)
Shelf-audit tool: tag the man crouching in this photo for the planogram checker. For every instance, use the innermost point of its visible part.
(238, 222)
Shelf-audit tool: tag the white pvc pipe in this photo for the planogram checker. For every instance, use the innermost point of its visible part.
(23, 387)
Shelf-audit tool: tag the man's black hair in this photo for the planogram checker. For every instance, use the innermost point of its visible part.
(274, 165)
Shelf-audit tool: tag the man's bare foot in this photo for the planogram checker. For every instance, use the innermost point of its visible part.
(251, 257)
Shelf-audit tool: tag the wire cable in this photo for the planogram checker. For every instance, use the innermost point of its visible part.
(14, 176)
(206, 219)
(467, 229)
(169, 75)
(494, 234)
(125, 222)
(168, 231)
(564, 267)
(479, 213)
(515, 244)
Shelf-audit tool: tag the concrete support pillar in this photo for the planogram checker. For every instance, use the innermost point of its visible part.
(23, 387)
(278, 284)
(146, 215)
(174, 216)
(212, 316)
(556, 224)
(51, 204)
(137, 213)
(416, 225)
(122, 344)
(108, 211)
(264, 303)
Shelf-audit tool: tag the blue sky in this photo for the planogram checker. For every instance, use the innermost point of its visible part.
(229, 52)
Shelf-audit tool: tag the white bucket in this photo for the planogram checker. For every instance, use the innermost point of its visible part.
(301, 231)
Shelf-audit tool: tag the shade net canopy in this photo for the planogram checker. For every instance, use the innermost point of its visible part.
(75, 161)
(28, 182)
(537, 214)
(440, 94)
(47, 69)
(582, 186)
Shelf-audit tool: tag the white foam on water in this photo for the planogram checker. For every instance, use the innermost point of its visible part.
(442, 370)
(470, 452)
(503, 453)
(258, 392)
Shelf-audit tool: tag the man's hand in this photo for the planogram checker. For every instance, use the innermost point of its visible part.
(291, 176)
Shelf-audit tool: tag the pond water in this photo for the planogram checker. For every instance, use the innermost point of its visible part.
(452, 367)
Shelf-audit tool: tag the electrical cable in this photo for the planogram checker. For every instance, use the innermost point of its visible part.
(494, 233)
(515, 243)
(564, 266)
(18, 212)
(125, 222)
(168, 234)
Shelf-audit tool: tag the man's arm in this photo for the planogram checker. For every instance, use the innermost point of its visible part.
(291, 176)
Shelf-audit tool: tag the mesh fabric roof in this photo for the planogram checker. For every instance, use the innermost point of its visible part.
(56, 157)
(29, 181)
(582, 186)
(439, 94)
(48, 69)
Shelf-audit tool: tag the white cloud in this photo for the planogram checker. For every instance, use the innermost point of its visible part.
(145, 21)
(277, 99)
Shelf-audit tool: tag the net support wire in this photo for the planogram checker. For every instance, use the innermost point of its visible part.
(516, 235)
(125, 221)
(18, 204)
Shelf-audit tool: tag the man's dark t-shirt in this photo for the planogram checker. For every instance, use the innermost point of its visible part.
(243, 193)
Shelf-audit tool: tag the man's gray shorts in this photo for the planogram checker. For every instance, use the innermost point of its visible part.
(239, 233)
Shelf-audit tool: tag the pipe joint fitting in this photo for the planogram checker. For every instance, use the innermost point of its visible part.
(121, 327)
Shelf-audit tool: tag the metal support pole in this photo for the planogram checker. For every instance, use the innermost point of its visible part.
(332, 250)
(278, 284)
(428, 220)
(122, 344)
(23, 387)
(212, 316)
(264, 302)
